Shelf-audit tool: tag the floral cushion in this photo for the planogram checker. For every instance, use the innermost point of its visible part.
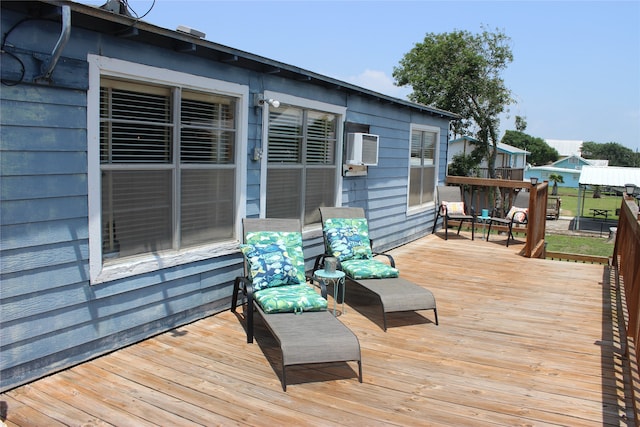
(274, 258)
(453, 208)
(518, 214)
(368, 269)
(290, 299)
(348, 238)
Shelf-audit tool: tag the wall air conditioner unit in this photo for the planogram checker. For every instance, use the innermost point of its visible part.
(362, 149)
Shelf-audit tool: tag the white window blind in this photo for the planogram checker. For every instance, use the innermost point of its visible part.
(301, 163)
(422, 173)
(168, 168)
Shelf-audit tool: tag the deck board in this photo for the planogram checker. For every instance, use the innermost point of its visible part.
(520, 342)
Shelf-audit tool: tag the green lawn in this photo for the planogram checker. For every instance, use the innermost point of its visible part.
(569, 207)
(597, 246)
(586, 245)
(583, 245)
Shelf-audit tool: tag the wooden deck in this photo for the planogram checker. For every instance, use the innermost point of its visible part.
(520, 342)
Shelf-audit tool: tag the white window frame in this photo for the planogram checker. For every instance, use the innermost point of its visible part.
(413, 210)
(100, 66)
(296, 101)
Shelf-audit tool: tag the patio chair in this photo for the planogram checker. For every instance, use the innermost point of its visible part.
(276, 288)
(450, 207)
(553, 207)
(517, 215)
(346, 237)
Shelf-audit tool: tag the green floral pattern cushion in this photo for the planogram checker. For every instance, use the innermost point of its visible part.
(274, 258)
(290, 299)
(368, 269)
(348, 238)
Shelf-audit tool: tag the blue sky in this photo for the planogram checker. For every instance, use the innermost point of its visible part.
(575, 73)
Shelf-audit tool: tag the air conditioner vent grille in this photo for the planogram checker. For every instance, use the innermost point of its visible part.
(362, 149)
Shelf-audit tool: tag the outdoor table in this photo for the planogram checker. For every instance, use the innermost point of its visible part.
(484, 220)
(600, 212)
(337, 279)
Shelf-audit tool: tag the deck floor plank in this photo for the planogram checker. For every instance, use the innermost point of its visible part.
(520, 342)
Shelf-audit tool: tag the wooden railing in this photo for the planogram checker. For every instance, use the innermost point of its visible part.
(626, 254)
(537, 217)
(478, 193)
(625, 260)
(503, 173)
(511, 174)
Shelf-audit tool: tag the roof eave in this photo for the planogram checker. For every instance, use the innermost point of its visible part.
(97, 19)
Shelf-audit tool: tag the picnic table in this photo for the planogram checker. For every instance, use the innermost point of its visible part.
(600, 212)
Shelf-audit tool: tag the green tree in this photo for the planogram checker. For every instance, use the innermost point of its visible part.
(521, 123)
(460, 72)
(597, 192)
(540, 152)
(556, 178)
(616, 154)
(463, 165)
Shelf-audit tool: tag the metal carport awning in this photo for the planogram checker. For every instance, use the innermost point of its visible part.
(609, 176)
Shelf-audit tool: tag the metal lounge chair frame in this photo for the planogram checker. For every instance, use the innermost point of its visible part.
(304, 338)
(521, 201)
(395, 294)
(452, 194)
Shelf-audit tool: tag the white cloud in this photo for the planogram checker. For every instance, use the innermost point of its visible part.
(378, 81)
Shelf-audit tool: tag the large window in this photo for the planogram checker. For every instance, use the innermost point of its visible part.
(422, 174)
(301, 162)
(167, 165)
(165, 158)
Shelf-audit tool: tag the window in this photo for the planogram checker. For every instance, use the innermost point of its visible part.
(168, 182)
(156, 140)
(302, 165)
(422, 173)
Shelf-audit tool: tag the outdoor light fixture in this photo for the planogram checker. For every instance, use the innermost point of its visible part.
(259, 101)
(534, 180)
(630, 189)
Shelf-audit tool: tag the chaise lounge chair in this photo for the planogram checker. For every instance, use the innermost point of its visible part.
(517, 215)
(451, 206)
(276, 288)
(346, 237)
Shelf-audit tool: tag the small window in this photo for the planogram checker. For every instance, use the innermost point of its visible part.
(422, 165)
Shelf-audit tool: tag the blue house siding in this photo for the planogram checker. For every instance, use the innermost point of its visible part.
(51, 316)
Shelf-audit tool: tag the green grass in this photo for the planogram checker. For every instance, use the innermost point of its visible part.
(569, 207)
(597, 246)
(583, 245)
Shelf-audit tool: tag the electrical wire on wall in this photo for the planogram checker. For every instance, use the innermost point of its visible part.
(126, 5)
(117, 6)
(6, 54)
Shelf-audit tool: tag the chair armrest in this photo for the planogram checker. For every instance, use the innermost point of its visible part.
(389, 258)
(321, 284)
(319, 262)
(245, 284)
(242, 283)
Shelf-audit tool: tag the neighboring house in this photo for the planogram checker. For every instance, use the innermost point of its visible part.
(566, 147)
(131, 153)
(569, 168)
(576, 162)
(510, 161)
